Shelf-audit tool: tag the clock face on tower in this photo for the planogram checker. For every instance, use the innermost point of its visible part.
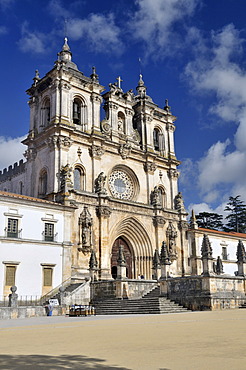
(121, 185)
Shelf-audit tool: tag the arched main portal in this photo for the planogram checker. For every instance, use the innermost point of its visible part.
(128, 256)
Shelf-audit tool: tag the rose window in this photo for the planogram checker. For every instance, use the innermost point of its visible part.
(121, 185)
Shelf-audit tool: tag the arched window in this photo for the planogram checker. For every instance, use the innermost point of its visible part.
(78, 179)
(162, 196)
(121, 123)
(45, 119)
(158, 141)
(79, 112)
(42, 184)
(156, 135)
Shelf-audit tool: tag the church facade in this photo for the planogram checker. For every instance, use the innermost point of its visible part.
(118, 172)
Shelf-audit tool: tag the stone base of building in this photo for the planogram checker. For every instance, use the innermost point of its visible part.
(123, 289)
(7, 313)
(200, 293)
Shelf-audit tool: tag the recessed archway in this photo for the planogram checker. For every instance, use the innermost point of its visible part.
(128, 254)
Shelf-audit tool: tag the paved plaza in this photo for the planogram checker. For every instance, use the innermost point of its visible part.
(194, 340)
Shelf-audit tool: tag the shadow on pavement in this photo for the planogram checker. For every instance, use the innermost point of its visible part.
(53, 362)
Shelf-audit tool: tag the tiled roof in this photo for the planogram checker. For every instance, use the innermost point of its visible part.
(19, 196)
(232, 233)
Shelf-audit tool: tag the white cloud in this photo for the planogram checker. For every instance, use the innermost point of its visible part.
(4, 4)
(216, 71)
(199, 207)
(55, 8)
(99, 30)
(11, 150)
(31, 41)
(3, 30)
(154, 23)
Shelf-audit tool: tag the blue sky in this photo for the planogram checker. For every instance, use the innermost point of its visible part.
(192, 53)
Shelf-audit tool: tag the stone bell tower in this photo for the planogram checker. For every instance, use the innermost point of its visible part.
(62, 103)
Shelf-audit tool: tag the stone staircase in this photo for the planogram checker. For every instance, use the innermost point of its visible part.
(151, 303)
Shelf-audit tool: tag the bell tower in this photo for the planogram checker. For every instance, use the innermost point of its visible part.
(62, 103)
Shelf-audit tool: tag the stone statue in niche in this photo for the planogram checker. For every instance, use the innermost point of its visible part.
(85, 230)
(100, 184)
(120, 125)
(155, 197)
(179, 202)
(171, 237)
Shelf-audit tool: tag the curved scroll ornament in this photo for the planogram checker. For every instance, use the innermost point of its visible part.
(85, 231)
(105, 127)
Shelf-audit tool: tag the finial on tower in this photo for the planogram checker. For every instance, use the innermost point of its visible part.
(193, 223)
(141, 88)
(94, 75)
(65, 46)
(36, 78)
(167, 107)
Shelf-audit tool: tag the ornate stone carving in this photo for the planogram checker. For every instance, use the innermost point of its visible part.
(106, 127)
(93, 260)
(183, 225)
(65, 142)
(164, 257)
(206, 250)
(156, 260)
(173, 174)
(241, 254)
(30, 154)
(136, 136)
(100, 184)
(170, 127)
(53, 141)
(103, 211)
(179, 202)
(158, 221)
(96, 151)
(65, 178)
(125, 150)
(155, 197)
(85, 231)
(150, 167)
(96, 98)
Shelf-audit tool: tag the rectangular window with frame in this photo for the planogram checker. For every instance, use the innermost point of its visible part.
(224, 253)
(48, 275)
(49, 232)
(10, 275)
(12, 229)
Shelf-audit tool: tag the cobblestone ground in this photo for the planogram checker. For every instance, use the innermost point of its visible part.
(197, 340)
